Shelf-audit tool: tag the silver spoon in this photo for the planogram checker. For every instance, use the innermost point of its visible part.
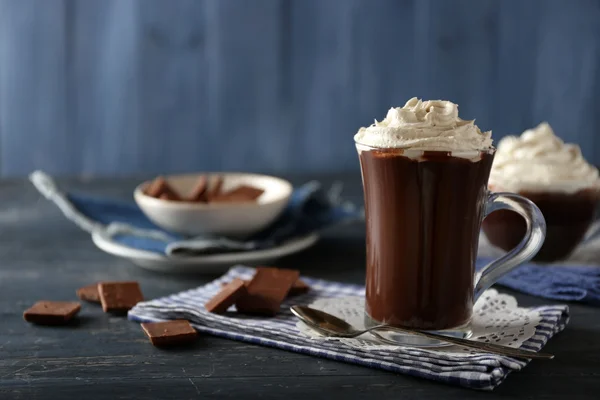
(331, 325)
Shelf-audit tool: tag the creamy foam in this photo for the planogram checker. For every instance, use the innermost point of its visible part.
(539, 161)
(432, 125)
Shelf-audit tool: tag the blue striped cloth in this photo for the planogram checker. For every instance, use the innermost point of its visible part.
(475, 370)
(311, 208)
(563, 281)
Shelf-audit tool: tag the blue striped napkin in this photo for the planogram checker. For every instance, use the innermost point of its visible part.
(311, 208)
(473, 370)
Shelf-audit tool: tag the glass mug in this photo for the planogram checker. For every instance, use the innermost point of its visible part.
(423, 213)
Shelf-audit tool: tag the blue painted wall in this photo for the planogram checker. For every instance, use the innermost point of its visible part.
(117, 87)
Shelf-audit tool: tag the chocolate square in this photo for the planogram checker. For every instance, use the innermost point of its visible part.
(169, 196)
(227, 297)
(89, 293)
(241, 194)
(215, 188)
(299, 287)
(199, 191)
(159, 188)
(169, 333)
(267, 290)
(51, 312)
(119, 297)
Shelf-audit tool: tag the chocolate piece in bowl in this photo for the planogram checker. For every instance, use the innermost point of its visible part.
(169, 333)
(267, 290)
(119, 297)
(159, 187)
(52, 312)
(169, 196)
(227, 297)
(241, 194)
(198, 194)
(89, 293)
(215, 188)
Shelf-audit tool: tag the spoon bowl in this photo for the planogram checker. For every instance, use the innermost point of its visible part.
(321, 320)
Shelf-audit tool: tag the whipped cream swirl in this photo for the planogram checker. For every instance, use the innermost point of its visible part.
(539, 161)
(425, 125)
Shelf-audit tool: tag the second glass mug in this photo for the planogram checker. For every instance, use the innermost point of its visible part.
(423, 213)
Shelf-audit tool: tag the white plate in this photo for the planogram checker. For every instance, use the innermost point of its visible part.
(213, 263)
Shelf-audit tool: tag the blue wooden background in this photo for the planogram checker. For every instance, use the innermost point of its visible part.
(127, 86)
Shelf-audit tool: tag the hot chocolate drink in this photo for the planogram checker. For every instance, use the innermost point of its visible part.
(423, 221)
(425, 174)
(555, 176)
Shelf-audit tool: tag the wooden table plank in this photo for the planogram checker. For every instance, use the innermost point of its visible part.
(44, 256)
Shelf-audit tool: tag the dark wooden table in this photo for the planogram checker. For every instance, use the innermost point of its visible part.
(45, 257)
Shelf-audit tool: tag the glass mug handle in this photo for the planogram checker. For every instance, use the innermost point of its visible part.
(529, 246)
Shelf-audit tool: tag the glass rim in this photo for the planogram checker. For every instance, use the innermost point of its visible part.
(363, 146)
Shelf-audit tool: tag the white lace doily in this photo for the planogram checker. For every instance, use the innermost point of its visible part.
(496, 318)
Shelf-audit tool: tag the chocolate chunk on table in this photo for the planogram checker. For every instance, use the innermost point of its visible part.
(89, 293)
(299, 287)
(267, 290)
(119, 297)
(169, 333)
(51, 312)
(227, 297)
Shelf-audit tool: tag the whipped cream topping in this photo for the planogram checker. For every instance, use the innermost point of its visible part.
(432, 125)
(539, 161)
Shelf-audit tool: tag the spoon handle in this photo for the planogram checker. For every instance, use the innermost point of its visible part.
(489, 347)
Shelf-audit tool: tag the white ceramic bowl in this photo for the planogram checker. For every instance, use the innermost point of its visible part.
(225, 219)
